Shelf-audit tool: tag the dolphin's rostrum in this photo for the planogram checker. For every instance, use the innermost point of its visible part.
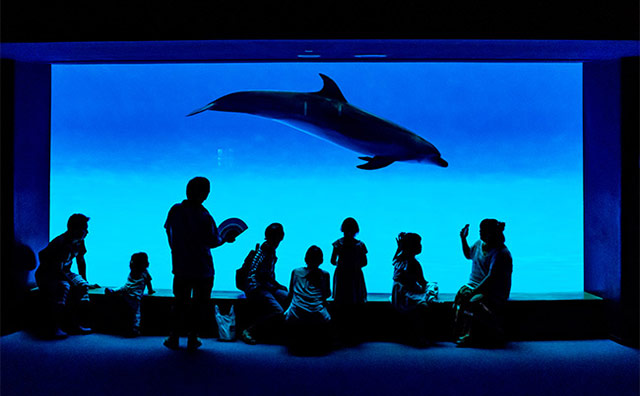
(326, 114)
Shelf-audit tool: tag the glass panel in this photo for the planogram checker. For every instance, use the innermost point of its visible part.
(123, 150)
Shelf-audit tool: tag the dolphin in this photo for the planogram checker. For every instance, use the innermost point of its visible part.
(326, 114)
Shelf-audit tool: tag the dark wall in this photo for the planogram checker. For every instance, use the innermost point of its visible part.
(32, 141)
(611, 191)
(630, 203)
(26, 114)
(602, 177)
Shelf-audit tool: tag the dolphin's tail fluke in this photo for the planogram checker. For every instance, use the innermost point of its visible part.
(207, 107)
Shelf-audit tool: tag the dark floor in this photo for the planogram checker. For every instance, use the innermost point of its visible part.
(101, 364)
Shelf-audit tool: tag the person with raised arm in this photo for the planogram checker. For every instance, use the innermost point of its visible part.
(479, 304)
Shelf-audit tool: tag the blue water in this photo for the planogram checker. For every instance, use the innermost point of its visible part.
(122, 152)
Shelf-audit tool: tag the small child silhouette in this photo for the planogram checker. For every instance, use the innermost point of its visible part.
(410, 289)
(132, 291)
(349, 256)
(412, 294)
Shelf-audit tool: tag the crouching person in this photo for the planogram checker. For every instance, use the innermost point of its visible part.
(307, 317)
(479, 305)
(264, 294)
(67, 292)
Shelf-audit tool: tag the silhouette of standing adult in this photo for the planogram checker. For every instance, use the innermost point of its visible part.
(479, 304)
(192, 234)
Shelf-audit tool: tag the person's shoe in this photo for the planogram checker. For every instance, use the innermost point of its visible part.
(77, 329)
(85, 330)
(465, 342)
(193, 343)
(133, 333)
(59, 334)
(247, 338)
(172, 343)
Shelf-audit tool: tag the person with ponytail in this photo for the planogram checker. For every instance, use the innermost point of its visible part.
(411, 293)
(479, 304)
(410, 289)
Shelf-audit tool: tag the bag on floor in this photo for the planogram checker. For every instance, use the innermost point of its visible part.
(226, 325)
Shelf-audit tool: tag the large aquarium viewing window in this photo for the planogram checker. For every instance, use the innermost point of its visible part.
(123, 150)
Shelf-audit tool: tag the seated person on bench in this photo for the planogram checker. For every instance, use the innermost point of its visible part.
(479, 304)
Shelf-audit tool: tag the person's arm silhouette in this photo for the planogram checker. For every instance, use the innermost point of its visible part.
(148, 283)
(466, 250)
(82, 270)
(363, 257)
(326, 287)
(334, 256)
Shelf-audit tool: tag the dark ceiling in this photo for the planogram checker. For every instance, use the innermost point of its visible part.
(168, 20)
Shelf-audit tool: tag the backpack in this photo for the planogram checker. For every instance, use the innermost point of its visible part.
(242, 273)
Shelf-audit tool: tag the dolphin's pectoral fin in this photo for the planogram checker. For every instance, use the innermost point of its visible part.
(376, 162)
(330, 89)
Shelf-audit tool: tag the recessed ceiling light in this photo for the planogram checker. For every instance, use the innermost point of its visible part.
(370, 56)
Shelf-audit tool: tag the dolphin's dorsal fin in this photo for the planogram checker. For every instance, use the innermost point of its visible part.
(330, 89)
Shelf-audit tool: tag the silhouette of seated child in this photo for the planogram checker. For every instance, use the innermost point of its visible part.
(132, 291)
(307, 315)
(479, 304)
(411, 293)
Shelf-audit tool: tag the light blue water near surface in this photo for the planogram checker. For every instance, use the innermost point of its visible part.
(122, 152)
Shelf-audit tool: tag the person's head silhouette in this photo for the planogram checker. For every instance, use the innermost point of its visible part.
(198, 189)
(139, 262)
(78, 226)
(274, 234)
(491, 232)
(313, 258)
(409, 245)
(350, 227)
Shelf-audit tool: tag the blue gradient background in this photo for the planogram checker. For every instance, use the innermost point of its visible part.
(122, 152)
